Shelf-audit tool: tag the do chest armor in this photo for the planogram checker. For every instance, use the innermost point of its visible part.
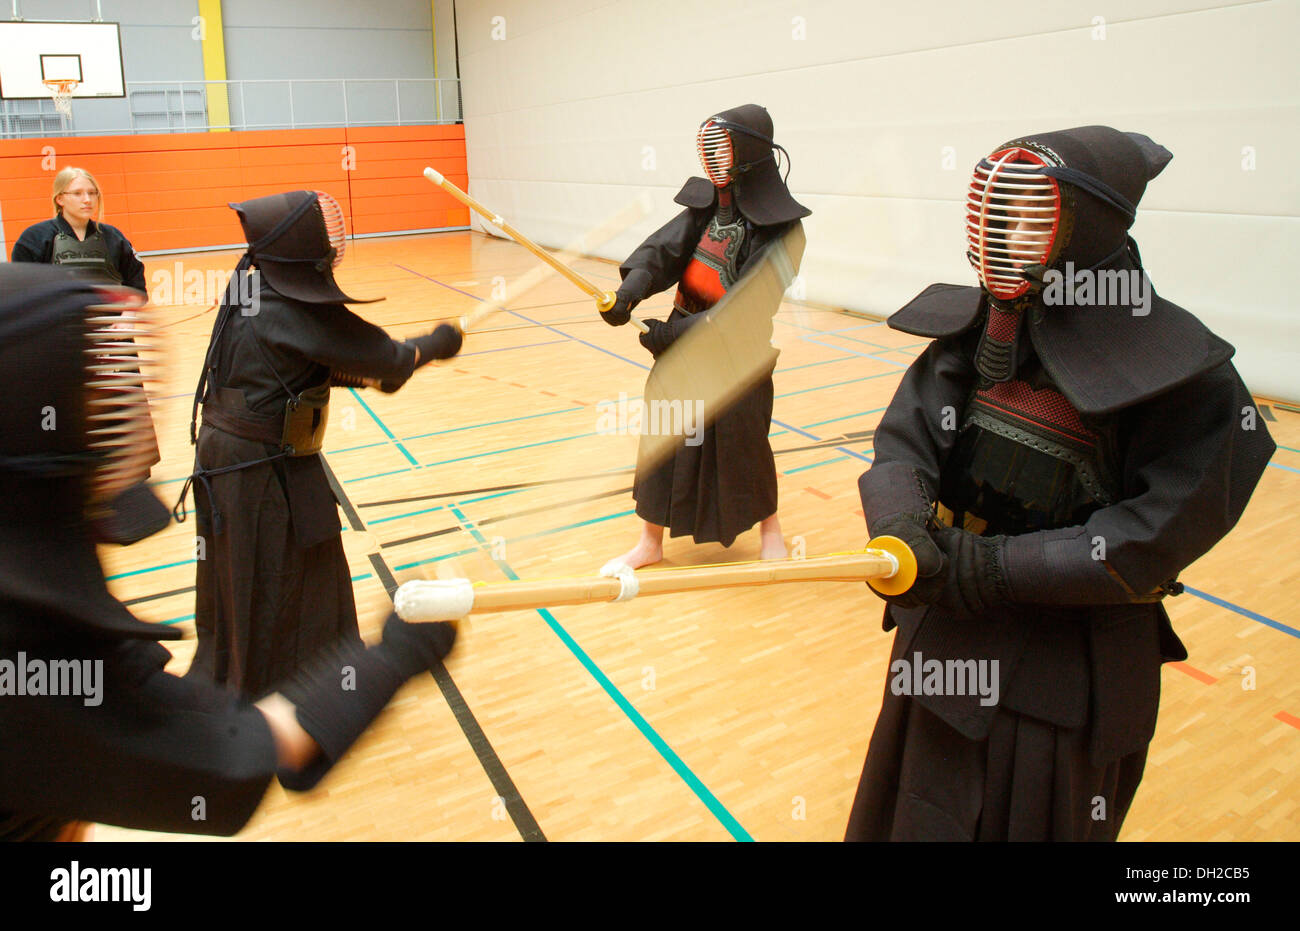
(1025, 460)
(715, 266)
(87, 256)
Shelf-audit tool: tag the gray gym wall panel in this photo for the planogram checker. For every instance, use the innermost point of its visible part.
(334, 39)
(884, 108)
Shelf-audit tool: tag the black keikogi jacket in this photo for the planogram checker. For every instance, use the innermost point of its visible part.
(1086, 638)
(275, 587)
(722, 487)
(36, 244)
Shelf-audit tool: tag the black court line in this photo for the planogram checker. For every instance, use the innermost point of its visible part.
(855, 436)
(511, 516)
(479, 491)
(505, 787)
(569, 502)
(156, 596)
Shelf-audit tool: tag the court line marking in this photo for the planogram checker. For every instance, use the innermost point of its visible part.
(670, 756)
(526, 319)
(527, 536)
(1244, 612)
(382, 426)
(496, 772)
(866, 355)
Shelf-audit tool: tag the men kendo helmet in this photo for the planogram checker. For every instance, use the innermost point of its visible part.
(1037, 202)
(296, 240)
(737, 151)
(75, 432)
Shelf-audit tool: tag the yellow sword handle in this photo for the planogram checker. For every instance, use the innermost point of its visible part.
(604, 299)
(902, 578)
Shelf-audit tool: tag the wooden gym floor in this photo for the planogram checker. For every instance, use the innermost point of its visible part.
(697, 717)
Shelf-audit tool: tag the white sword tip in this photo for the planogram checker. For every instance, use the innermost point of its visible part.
(433, 175)
(434, 599)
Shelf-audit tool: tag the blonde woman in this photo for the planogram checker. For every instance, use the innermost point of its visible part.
(76, 237)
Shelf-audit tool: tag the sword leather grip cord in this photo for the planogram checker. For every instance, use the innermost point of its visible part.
(604, 299)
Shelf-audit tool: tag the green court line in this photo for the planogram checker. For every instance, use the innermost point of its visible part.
(169, 565)
(822, 423)
(815, 465)
(382, 426)
(492, 423)
(527, 536)
(679, 766)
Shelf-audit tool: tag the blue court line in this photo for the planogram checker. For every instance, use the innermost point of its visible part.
(493, 423)
(814, 465)
(1277, 465)
(511, 449)
(483, 352)
(1290, 449)
(864, 326)
(813, 329)
(382, 426)
(670, 756)
(821, 423)
(1276, 625)
(808, 365)
(866, 355)
(855, 339)
(790, 394)
(528, 319)
(884, 348)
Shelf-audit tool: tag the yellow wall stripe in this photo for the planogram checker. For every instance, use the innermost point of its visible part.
(214, 65)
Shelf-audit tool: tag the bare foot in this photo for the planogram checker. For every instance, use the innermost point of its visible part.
(773, 547)
(645, 553)
(772, 543)
(648, 550)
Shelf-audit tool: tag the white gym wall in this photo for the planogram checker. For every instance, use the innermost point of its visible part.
(574, 107)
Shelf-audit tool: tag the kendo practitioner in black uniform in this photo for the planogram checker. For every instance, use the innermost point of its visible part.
(76, 241)
(721, 487)
(274, 586)
(1053, 468)
(136, 747)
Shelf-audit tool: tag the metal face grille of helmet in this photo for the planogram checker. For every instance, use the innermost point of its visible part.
(716, 153)
(121, 358)
(332, 215)
(1013, 214)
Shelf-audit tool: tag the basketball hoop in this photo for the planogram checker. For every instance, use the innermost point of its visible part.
(61, 91)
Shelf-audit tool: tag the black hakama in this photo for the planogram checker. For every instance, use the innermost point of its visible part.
(718, 489)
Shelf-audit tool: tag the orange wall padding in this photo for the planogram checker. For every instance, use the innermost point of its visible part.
(170, 191)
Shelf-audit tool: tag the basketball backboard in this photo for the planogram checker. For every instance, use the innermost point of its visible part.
(34, 53)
